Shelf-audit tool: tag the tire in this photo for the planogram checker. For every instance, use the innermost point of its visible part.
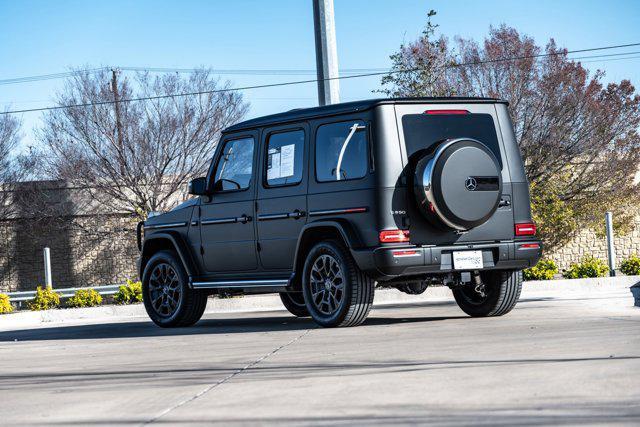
(502, 290)
(294, 303)
(352, 290)
(167, 298)
(413, 288)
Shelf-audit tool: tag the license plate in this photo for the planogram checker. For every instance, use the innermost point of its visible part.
(467, 260)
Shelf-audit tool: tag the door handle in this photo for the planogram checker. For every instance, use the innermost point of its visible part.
(244, 219)
(297, 214)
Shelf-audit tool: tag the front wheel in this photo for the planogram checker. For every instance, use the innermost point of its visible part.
(294, 303)
(167, 298)
(495, 295)
(335, 291)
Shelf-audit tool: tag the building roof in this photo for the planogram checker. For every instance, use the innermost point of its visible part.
(348, 107)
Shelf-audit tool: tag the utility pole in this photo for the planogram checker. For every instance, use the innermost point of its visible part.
(326, 52)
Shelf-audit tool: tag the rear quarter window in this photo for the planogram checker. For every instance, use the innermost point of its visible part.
(342, 152)
(424, 131)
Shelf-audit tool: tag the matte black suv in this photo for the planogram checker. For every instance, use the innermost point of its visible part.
(322, 204)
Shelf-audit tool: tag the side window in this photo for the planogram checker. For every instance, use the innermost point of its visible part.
(341, 151)
(285, 152)
(235, 166)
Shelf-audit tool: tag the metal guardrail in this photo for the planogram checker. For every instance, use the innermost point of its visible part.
(63, 292)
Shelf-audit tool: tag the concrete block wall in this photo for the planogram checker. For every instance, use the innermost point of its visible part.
(587, 242)
(85, 251)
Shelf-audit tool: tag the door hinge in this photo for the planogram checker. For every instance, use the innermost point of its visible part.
(201, 250)
(258, 247)
(256, 206)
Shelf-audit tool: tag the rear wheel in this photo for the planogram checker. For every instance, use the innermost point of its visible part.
(496, 295)
(294, 302)
(413, 288)
(335, 291)
(166, 294)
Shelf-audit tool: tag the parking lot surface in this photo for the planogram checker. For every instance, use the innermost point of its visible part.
(551, 361)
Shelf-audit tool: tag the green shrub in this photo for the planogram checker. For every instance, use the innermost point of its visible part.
(588, 267)
(85, 298)
(5, 304)
(130, 293)
(544, 270)
(44, 300)
(631, 266)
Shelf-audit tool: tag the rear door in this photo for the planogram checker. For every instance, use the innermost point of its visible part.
(282, 194)
(424, 126)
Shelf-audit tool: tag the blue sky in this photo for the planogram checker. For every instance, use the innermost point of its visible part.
(41, 37)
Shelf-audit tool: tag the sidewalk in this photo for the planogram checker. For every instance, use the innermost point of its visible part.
(601, 291)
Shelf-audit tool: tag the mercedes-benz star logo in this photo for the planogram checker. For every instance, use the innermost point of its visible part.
(470, 183)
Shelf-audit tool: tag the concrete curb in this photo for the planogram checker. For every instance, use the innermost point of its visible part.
(556, 289)
(573, 286)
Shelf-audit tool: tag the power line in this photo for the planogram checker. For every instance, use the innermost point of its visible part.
(249, 72)
(607, 58)
(297, 72)
(299, 82)
(254, 72)
(47, 76)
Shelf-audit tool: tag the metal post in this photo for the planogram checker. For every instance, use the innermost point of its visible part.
(47, 268)
(326, 52)
(611, 250)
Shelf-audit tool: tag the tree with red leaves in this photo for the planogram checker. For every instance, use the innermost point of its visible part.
(578, 137)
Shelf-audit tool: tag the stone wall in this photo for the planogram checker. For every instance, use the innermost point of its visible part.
(588, 242)
(85, 251)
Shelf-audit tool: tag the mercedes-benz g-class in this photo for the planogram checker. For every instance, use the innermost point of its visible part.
(322, 204)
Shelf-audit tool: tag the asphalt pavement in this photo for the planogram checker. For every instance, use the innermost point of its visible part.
(552, 361)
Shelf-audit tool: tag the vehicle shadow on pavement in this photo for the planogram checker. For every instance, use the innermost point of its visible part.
(206, 326)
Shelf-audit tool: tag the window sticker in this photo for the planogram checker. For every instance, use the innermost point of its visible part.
(280, 162)
(273, 166)
(287, 156)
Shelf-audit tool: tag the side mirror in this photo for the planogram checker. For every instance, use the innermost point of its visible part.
(198, 186)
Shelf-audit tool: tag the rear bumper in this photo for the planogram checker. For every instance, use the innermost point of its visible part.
(390, 262)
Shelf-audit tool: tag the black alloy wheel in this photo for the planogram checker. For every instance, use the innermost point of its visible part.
(336, 292)
(495, 295)
(167, 297)
(327, 284)
(164, 290)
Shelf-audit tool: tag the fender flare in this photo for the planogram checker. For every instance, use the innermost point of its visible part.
(343, 227)
(179, 245)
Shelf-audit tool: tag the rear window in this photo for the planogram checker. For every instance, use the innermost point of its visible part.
(422, 131)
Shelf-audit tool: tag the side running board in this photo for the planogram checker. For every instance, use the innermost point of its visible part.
(242, 284)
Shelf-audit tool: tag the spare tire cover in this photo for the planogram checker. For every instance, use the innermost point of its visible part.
(459, 184)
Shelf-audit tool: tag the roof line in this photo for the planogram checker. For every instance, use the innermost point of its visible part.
(347, 107)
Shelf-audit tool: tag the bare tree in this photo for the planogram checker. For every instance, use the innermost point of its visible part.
(579, 138)
(12, 167)
(136, 156)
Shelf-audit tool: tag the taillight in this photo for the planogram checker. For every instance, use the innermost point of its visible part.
(525, 229)
(434, 112)
(530, 246)
(394, 236)
(405, 253)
